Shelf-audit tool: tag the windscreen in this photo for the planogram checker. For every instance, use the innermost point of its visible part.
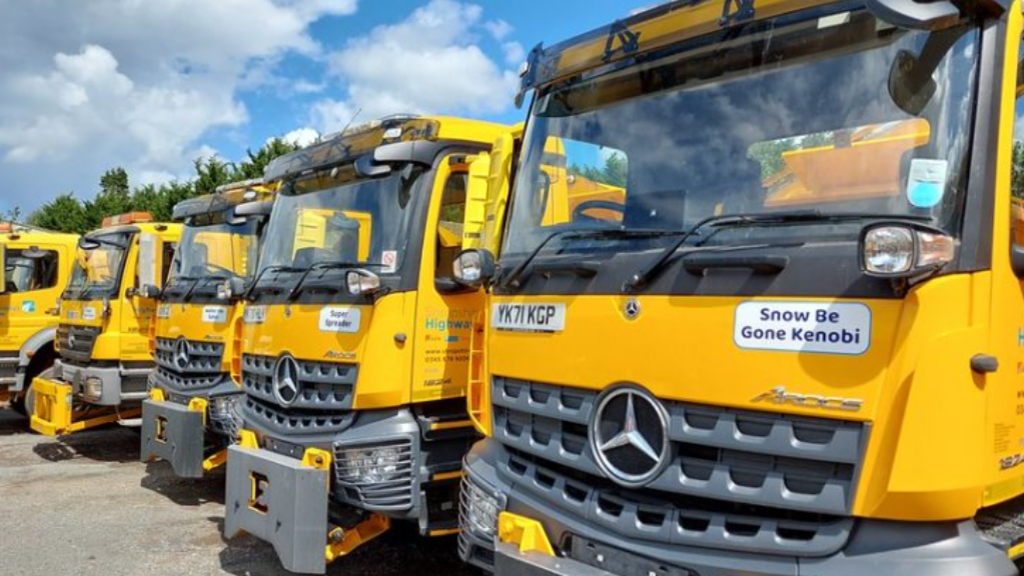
(331, 223)
(97, 270)
(825, 112)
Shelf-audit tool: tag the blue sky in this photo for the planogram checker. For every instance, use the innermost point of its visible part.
(152, 85)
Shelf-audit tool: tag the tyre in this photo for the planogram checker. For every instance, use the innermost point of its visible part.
(18, 404)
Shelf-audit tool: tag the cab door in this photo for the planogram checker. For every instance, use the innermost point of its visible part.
(1003, 458)
(32, 284)
(445, 310)
(148, 265)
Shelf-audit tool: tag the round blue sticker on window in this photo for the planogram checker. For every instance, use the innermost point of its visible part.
(924, 194)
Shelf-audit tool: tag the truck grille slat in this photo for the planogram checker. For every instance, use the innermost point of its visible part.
(321, 386)
(200, 369)
(736, 458)
(83, 339)
(286, 422)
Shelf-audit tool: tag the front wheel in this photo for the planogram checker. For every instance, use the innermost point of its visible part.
(18, 404)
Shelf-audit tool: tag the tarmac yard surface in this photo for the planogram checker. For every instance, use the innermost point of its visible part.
(85, 504)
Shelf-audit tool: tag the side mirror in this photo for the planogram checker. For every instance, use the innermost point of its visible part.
(148, 264)
(254, 210)
(362, 282)
(366, 167)
(230, 289)
(910, 83)
(1017, 259)
(150, 291)
(87, 244)
(474, 268)
(34, 253)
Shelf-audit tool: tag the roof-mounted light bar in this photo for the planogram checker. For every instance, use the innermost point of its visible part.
(129, 218)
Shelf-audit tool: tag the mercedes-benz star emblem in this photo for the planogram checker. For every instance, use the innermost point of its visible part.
(631, 309)
(286, 380)
(629, 436)
(181, 354)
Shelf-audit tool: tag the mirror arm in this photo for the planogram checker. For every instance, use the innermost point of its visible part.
(447, 285)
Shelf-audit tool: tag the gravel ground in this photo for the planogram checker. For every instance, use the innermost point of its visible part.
(85, 503)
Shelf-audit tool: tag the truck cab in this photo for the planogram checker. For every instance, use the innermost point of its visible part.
(355, 343)
(793, 343)
(38, 266)
(104, 360)
(191, 414)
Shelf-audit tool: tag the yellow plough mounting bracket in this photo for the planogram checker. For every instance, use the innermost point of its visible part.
(247, 439)
(156, 395)
(216, 460)
(54, 414)
(525, 533)
(198, 405)
(342, 542)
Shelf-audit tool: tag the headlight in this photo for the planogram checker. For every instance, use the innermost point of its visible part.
(896, 250)
(480, 510)
(373, 465)
(93, 388)
(224, 407)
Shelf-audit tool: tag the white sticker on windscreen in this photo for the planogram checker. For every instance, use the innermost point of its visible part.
(926, 182)
(818, 327)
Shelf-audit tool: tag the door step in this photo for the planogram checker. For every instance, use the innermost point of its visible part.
(1003, 526)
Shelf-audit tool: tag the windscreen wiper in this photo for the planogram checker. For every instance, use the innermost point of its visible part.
(643, 276)
(251, 291)
(515, 273)
(336, 265)
(192, 286)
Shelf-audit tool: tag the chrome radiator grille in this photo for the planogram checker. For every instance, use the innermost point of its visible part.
(797, 473)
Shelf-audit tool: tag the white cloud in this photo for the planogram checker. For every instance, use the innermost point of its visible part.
(498, 28)
(428, 63)
(91, 85)
(514, 53)
(301, 137)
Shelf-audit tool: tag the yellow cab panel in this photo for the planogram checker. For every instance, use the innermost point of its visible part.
(37, 267)
(783, 298)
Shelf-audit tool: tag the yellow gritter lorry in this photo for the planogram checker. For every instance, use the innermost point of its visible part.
(795, 343)
(355, 343)
(191, 415)
(104, 360)
(38, 266)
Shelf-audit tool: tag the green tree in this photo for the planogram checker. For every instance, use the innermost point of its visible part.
(65, 213)
(69, 214)
(255, 163)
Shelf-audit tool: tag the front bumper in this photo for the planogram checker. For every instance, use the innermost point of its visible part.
(101, 386)
(879, 548)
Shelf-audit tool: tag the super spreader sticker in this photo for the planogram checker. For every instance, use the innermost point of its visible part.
(819, 327)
